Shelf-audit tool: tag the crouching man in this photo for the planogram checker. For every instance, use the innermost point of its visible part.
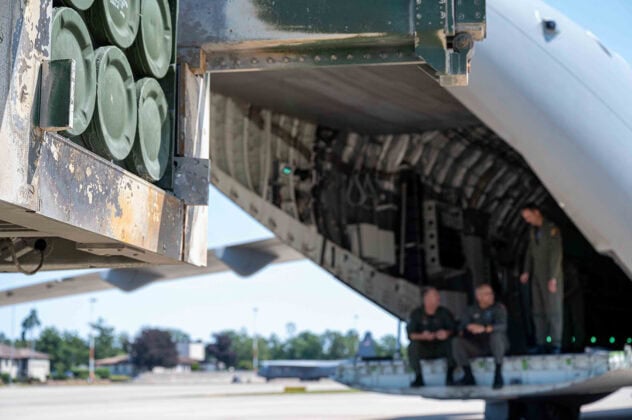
(482, 332)
(430, 329)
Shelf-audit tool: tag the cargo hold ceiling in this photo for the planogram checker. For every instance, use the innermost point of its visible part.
(369, 99)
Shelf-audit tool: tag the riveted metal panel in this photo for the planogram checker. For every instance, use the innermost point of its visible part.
(232, 35)
(194, 125)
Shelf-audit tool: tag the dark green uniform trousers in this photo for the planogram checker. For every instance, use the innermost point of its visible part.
(465, 348)
(543, 261)
(418, 350)
(548, 314)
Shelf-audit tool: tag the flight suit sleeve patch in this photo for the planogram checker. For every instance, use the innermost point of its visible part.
(555, 231)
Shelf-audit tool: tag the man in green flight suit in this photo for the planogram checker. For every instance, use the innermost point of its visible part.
(543, 267)
(483, 331)
(430, 328)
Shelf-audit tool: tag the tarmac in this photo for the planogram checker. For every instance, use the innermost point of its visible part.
(169, 398)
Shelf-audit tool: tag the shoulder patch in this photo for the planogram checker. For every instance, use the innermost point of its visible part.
(555, 231)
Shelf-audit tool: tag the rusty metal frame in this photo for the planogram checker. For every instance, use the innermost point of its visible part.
(91, 211)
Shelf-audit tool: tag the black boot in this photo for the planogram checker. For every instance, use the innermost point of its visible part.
(418, 382)
(468, 379)
(449, 377)
(498, 377)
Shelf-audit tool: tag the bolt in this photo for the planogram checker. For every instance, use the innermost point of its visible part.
(462, 42)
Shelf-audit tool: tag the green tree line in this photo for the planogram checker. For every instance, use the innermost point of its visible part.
(152, 347)
(235, 348)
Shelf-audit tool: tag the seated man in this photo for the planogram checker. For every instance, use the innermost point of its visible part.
(429, 330)
(482, 332)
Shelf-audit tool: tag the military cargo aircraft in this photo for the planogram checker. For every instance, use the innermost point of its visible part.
(391, 182)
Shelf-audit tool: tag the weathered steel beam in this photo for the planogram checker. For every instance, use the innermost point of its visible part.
(237, 35)
(81, 190)
(52, 188)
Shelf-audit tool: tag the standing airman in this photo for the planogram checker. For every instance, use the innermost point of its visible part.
(543, 267)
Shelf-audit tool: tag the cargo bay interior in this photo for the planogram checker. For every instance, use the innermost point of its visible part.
(384, 155)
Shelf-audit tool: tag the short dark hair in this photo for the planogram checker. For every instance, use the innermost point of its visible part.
(531, 206)
(428, 289)
(484, 286)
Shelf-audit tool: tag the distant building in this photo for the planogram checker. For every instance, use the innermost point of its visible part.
(185, 363)
(194, 351)
(183, 366)
(118, 365)
(24, 363)
(122, 365)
